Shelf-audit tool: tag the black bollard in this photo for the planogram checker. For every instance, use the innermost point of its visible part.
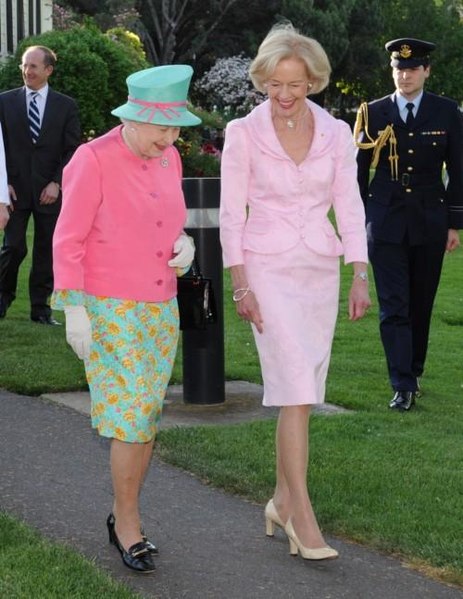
(203, 351)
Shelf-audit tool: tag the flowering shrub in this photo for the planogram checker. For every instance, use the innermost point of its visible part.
(63, 17)
(209, 148)
(126, 18)
(128, 39)
(226, 87)
(199, 158)
(200, 147)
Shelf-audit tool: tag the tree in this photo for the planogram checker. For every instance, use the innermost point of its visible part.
(353, 32)
(356, 75)
(178, 30)
(325, 20)
(328, 22)
(244, 28)
(175, 31)
(440, 22)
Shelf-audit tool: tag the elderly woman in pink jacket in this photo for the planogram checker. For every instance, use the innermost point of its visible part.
(284, 167)
(118, 247)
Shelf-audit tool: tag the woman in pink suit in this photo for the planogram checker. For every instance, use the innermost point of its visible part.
(4, 192)
(118, 248)
(284, 166)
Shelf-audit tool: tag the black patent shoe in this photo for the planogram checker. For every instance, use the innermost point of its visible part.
(149, 544)
(111, 522)
(137, 557)
(403, 401)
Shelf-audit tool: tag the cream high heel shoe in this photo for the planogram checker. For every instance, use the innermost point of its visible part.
(272, 518)
(295, 545)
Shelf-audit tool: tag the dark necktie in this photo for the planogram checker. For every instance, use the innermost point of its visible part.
(34, 118)
(410, 118)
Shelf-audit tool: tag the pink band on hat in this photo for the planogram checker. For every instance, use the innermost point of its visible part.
(163, 107)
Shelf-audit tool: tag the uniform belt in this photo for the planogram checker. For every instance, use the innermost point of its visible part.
(411, 179)
(416, 179)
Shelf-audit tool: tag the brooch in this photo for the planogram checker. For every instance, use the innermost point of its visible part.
(164, 162)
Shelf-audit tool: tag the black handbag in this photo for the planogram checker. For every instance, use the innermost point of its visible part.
(195, 299)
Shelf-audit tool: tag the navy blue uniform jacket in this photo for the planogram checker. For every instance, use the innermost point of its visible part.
(418, 204)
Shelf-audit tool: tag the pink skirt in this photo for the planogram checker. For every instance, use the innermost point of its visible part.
(298, 295)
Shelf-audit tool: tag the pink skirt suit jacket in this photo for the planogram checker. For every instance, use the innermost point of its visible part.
(121, 215)
(274, 220)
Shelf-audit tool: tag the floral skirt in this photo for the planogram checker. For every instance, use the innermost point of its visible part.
(130, 365)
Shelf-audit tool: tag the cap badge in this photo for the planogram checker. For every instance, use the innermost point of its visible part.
(405, 51)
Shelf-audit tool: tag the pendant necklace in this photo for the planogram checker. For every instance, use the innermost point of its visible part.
(291, 123)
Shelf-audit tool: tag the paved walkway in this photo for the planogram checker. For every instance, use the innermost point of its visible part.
(55, 476)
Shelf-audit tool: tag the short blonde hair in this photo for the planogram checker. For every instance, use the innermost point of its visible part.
(284, 41)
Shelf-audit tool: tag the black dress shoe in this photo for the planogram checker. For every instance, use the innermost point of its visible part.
(45, 320)
(149, 544)
(111, 522)
(137, 557)
(403, 401)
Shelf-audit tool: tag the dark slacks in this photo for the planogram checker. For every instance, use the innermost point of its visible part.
(406, 279)
(13, 252)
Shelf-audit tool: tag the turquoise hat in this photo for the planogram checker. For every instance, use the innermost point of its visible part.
(159, 96)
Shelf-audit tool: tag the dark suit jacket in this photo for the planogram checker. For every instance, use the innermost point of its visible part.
(418, 204)
(31, 166)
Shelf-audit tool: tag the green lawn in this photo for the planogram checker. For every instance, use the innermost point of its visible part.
(31, 567)
(392, 481)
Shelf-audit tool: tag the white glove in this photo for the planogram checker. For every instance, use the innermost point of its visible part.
(78, 330)
(184, 248)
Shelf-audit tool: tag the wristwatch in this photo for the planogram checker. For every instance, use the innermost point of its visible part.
(362, 275)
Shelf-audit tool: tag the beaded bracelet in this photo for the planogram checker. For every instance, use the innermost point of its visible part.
(240, 293)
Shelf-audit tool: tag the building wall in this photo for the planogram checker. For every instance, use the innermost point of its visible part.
(20, 19)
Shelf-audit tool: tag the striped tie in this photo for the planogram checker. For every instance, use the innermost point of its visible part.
(34, 117)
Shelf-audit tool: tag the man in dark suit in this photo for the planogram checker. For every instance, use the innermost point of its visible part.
(411, 216)
(41, 130)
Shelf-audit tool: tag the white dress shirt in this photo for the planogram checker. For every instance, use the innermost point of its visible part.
(40, 99)
(402, 105)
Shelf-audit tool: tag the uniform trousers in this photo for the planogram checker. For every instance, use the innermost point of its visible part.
(406, 279)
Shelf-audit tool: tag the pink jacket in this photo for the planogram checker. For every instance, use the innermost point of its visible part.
(119, 220)
(289, 203)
